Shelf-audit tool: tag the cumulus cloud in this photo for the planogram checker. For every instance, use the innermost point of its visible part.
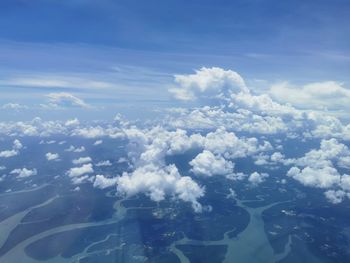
(52, 156)
(257, 178)
(103, 182)
(242, 110)
(153, 145)
(207, 164)
(319, 168)
(24, 172)
(147, 150)
(208, 83)
(157, 182)
(82, 160)
(335, 197)
(8, 153)
(330, 151)
(16, 147)
(220, 133)
(64, 99)
(277, 157)
(323, 177)
(239, 110)
(82, 170)
(230, 146)
(75, 149)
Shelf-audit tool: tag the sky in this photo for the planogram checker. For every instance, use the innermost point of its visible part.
(122, 56)
(227, 79)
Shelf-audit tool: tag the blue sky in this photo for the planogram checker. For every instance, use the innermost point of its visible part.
(262, 80)
(132, 49)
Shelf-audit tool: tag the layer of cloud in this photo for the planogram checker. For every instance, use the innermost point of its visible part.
(237, 124)
(54, 81)
(241, 110)
(329, 95)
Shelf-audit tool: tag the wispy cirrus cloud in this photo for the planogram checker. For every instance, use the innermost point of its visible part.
(55, 81)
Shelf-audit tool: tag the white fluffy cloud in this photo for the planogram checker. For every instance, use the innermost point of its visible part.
(331, 151)
(335, 197)
(208, 83)
(82, 160)
(75, 149)
(153, 145)
(215, 133)
(78, 171)
(24, 172)
(52, 156)
(148, 148)
(103, 182)
(157, 182)
(323, 177)
(16, 147)
(207, 164)
(8, 153)
(257, 178)
(319, 168)
(242, 110)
